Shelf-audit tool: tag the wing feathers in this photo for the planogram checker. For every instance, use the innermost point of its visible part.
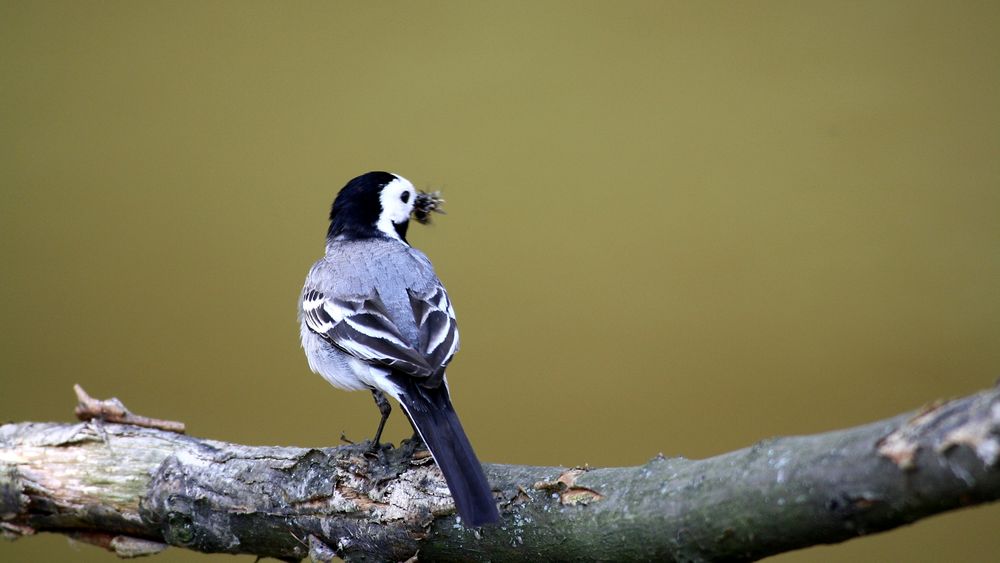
(362, 327)
(436, 324)
(376, 349)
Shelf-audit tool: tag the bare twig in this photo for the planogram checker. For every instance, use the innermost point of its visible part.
(112, 410)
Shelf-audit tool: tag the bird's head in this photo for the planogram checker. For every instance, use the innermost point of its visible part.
(376, 204)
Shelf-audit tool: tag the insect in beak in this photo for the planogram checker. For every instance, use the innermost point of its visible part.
(426, 203)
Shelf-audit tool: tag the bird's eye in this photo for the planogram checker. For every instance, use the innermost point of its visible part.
(405, 196)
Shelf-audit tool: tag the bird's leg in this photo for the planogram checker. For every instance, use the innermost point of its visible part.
(383, 407)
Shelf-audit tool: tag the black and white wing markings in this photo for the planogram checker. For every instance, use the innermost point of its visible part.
(361, 327)
(436, 325)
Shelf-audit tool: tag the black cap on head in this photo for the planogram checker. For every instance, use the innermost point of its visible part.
(357, 207)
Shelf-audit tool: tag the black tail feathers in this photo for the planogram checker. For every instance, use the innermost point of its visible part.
(437, 423)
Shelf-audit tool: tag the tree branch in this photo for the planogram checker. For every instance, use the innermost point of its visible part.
(134, 488)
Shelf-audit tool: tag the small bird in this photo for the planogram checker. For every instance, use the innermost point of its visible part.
(375, 316)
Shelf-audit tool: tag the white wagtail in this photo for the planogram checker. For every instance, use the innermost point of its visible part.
(375, 316)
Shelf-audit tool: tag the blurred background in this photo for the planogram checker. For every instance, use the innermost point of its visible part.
(672, 227)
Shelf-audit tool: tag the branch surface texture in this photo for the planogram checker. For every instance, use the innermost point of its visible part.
(136, 489)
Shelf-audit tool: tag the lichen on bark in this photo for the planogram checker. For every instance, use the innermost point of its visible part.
(133, 489)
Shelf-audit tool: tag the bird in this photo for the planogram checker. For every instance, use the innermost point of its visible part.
(374, 315)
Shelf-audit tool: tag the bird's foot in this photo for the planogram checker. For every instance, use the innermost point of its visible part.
(414, 447)
(374, 450)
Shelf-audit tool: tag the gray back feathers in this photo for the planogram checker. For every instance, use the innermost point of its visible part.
(379, 300)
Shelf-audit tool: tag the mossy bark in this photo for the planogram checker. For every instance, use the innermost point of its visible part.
(134, 489)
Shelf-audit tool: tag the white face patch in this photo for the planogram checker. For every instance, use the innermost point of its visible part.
(394, 209)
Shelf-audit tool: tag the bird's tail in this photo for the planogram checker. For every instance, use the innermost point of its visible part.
(435, 420)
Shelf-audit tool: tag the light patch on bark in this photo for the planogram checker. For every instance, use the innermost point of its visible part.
(569, 492)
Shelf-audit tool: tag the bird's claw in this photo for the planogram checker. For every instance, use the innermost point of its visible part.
(373, 451)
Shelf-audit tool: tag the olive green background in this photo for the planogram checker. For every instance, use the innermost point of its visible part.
(672, 227)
